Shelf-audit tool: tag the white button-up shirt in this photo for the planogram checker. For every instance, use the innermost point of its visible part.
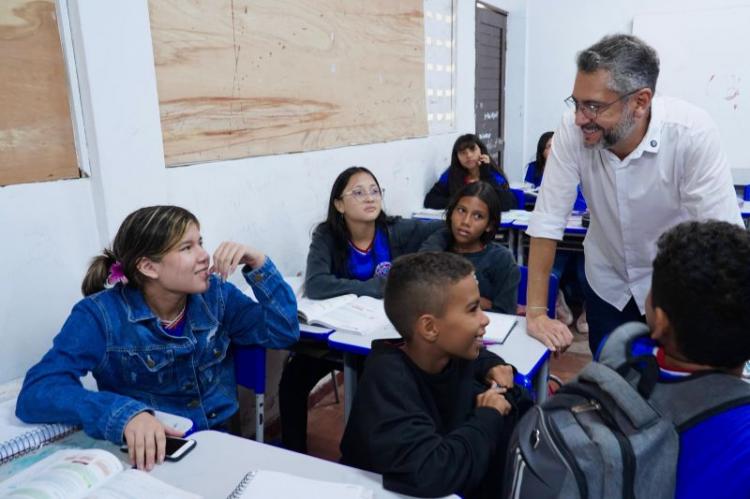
(678, 172)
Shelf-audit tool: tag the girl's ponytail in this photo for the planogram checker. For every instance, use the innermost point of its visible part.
(96, 276)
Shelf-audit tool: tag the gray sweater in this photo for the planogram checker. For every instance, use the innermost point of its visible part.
(405, 235)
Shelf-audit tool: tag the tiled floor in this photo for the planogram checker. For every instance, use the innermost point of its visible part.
(326, 418)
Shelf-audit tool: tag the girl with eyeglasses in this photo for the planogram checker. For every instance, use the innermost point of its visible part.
(350, 252)
(470, 162)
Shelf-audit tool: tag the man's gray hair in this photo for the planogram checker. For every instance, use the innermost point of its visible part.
(632, 64)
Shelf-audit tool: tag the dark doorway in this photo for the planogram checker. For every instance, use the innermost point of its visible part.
(489, 105)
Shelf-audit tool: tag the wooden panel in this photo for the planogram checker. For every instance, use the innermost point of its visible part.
(243, 78)
(36, 131)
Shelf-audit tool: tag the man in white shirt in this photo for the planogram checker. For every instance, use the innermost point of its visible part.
(644, 163)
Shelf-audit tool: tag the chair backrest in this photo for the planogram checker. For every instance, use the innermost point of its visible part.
(520, 198)
(250, 367)
(551, 294)
(746, 193)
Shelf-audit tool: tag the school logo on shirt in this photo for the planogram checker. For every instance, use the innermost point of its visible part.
(382, 269)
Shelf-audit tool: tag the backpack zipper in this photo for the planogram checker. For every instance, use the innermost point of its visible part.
(626, 448)
(626, 453)
(518, 470)
(565, 456)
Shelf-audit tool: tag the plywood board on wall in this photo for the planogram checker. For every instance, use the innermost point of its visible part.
(241, 78)
(36, 130)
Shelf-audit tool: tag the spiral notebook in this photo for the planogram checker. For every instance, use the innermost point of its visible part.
(278, 485)
(18, 438)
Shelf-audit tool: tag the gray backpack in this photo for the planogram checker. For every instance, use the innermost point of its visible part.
(614, 430)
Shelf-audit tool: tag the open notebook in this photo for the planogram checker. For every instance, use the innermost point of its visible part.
(277, 485)
(362, 315)
(499, 328)
(81, 473)
(18, 438)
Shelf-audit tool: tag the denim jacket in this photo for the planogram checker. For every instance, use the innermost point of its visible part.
(139, 367)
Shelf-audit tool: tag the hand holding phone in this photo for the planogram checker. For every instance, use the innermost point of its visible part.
(176, 448)
(145, 437)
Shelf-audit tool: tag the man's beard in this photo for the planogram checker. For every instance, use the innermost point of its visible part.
(615, 134)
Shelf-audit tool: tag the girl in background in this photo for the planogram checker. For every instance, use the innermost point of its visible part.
(470, 162)
(155, 329)
(350, 252)
(472, 218)
(566, 263)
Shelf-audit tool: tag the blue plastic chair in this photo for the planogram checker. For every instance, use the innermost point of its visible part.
(250, 372)
(746, 193)
(520, 198)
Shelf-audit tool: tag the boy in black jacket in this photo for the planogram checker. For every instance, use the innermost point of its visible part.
(431, 413)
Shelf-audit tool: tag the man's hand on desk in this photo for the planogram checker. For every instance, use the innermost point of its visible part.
(554, 334)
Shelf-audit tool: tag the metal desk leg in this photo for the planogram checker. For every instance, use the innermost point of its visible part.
(259, 413)
(519, 248)
(512, 241)
(540, 382)
(350, 383)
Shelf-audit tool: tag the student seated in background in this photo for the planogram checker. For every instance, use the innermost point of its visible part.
(351, 252)
(698, 311)
(566, 263)
(432, 413)
(155, 329)
(472, 218)
(470, 162)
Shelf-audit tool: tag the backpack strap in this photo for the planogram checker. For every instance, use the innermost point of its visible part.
(694, 399)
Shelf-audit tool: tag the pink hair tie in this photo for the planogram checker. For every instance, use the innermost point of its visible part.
(116, 274)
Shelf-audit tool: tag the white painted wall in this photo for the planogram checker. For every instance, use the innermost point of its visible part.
(50, 230)
(557, 31)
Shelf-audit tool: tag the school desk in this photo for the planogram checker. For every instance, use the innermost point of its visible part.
(218, 463)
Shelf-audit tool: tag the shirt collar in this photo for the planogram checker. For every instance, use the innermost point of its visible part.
(198, 313)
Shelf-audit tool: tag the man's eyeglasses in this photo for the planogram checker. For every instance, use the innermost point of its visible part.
(360, 194)
(592, 109)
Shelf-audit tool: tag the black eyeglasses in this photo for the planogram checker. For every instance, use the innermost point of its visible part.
(592, 109)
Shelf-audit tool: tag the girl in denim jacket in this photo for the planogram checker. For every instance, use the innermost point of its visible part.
(155, 329)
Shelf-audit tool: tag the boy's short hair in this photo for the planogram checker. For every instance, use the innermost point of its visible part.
(702, 282)
(419, 284)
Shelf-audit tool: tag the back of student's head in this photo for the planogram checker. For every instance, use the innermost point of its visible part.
(485, 193)
(702, 282)
(335, 220)
(420, 283)
(148, 232)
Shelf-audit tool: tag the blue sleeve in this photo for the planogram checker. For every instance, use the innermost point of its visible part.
(438, 197)
(272, 321)
(499, 178)
(52, 391)
(531, 174)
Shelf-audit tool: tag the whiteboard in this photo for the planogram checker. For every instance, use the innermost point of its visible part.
(704, 60)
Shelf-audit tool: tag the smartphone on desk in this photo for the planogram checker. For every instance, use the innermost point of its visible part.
(177, 448)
